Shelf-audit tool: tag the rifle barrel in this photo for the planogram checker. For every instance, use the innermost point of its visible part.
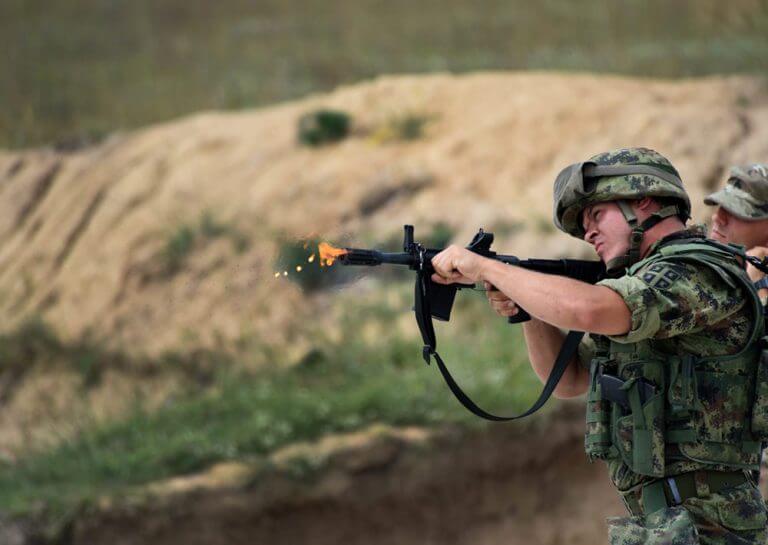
(588, 271)
(372, 258)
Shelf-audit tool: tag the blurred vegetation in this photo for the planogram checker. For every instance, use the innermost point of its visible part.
(405, 126)
(183, 240)
(35, 343)
(77, 70)
(441, 236)
(323, 127)
(375, 374)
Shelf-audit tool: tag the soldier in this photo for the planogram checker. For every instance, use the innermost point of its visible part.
(677, 326)
(741, 216)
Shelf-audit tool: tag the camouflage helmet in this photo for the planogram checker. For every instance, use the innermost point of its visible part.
(617, 175)
(745, 194)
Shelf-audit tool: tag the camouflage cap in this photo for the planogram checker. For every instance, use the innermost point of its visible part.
(745, 194)
(622, 174)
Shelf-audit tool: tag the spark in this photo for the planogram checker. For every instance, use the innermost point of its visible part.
(328, 254)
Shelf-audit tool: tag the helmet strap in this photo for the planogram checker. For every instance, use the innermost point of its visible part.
(636, 235)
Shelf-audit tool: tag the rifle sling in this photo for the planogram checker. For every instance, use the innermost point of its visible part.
(424, 321)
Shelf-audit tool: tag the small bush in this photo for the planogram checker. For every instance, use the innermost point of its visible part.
(182, 241)
(178, 248)
(323, 127)
(441, 235)
(210, 227)
(407, 126)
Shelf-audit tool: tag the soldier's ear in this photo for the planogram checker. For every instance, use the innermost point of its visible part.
(647, 204)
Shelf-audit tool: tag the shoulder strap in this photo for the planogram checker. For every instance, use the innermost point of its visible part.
(713, 254)
(424, 321)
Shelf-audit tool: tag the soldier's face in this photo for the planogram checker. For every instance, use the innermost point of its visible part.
(728, 228)
(606, 230)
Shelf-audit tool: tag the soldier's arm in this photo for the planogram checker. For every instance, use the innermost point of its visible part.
(560, 301)
(543, 342)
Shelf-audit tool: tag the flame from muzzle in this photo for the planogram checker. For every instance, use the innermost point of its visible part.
(329, 254)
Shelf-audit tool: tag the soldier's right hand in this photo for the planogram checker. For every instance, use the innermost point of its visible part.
(503, 305)
(760, 252)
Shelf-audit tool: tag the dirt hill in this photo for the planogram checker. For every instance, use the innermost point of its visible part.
(83, 234)
(166, 238)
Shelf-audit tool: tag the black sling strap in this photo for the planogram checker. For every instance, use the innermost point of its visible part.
(424, 321)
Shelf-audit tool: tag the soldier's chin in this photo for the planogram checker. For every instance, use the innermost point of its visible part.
(718, 236)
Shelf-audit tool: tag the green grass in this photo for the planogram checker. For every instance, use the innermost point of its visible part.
(80, 69)
(340, 388)
(35, 343)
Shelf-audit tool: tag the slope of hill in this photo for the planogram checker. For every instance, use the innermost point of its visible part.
(85, 236)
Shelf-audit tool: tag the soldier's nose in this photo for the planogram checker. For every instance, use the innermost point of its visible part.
(720, 217)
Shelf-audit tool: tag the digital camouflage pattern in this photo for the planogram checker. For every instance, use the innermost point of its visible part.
(572, 194)
(672, 526)
(683, 308)
(745, 194)
(679, 307)
(690, 303)
(732, 517)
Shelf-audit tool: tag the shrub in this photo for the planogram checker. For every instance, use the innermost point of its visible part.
(441, 235)
(406, 126)
(177, 248)
(182, 241)
(323, 127)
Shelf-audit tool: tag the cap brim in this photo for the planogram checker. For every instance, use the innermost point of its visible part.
(732, 204)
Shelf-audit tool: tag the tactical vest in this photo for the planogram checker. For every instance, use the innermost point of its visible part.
(706, 409)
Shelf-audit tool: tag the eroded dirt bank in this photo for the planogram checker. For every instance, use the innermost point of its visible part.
(496, 486)
(112, 243)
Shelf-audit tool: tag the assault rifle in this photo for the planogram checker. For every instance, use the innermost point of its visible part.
(434, 300)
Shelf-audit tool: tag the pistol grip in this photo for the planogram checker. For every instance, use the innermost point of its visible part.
(519, 318)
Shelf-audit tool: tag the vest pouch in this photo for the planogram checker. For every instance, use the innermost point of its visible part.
(725, 413)
(759, 422)
(682, 396)
(597, 440)
(639, 433)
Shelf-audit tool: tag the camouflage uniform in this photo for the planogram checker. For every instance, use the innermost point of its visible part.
(684, 309)
(687, 312)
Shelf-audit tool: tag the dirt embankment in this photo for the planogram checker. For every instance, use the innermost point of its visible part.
(508, 485)
(108, 241)
(82, 234)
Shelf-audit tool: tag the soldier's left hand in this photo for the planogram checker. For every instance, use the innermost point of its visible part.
(759, 252)
(457, 265)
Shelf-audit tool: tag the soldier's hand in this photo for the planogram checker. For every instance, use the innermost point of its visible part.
(503, 305)
(760, 252)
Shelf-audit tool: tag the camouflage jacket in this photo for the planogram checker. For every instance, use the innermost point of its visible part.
(681, 308)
